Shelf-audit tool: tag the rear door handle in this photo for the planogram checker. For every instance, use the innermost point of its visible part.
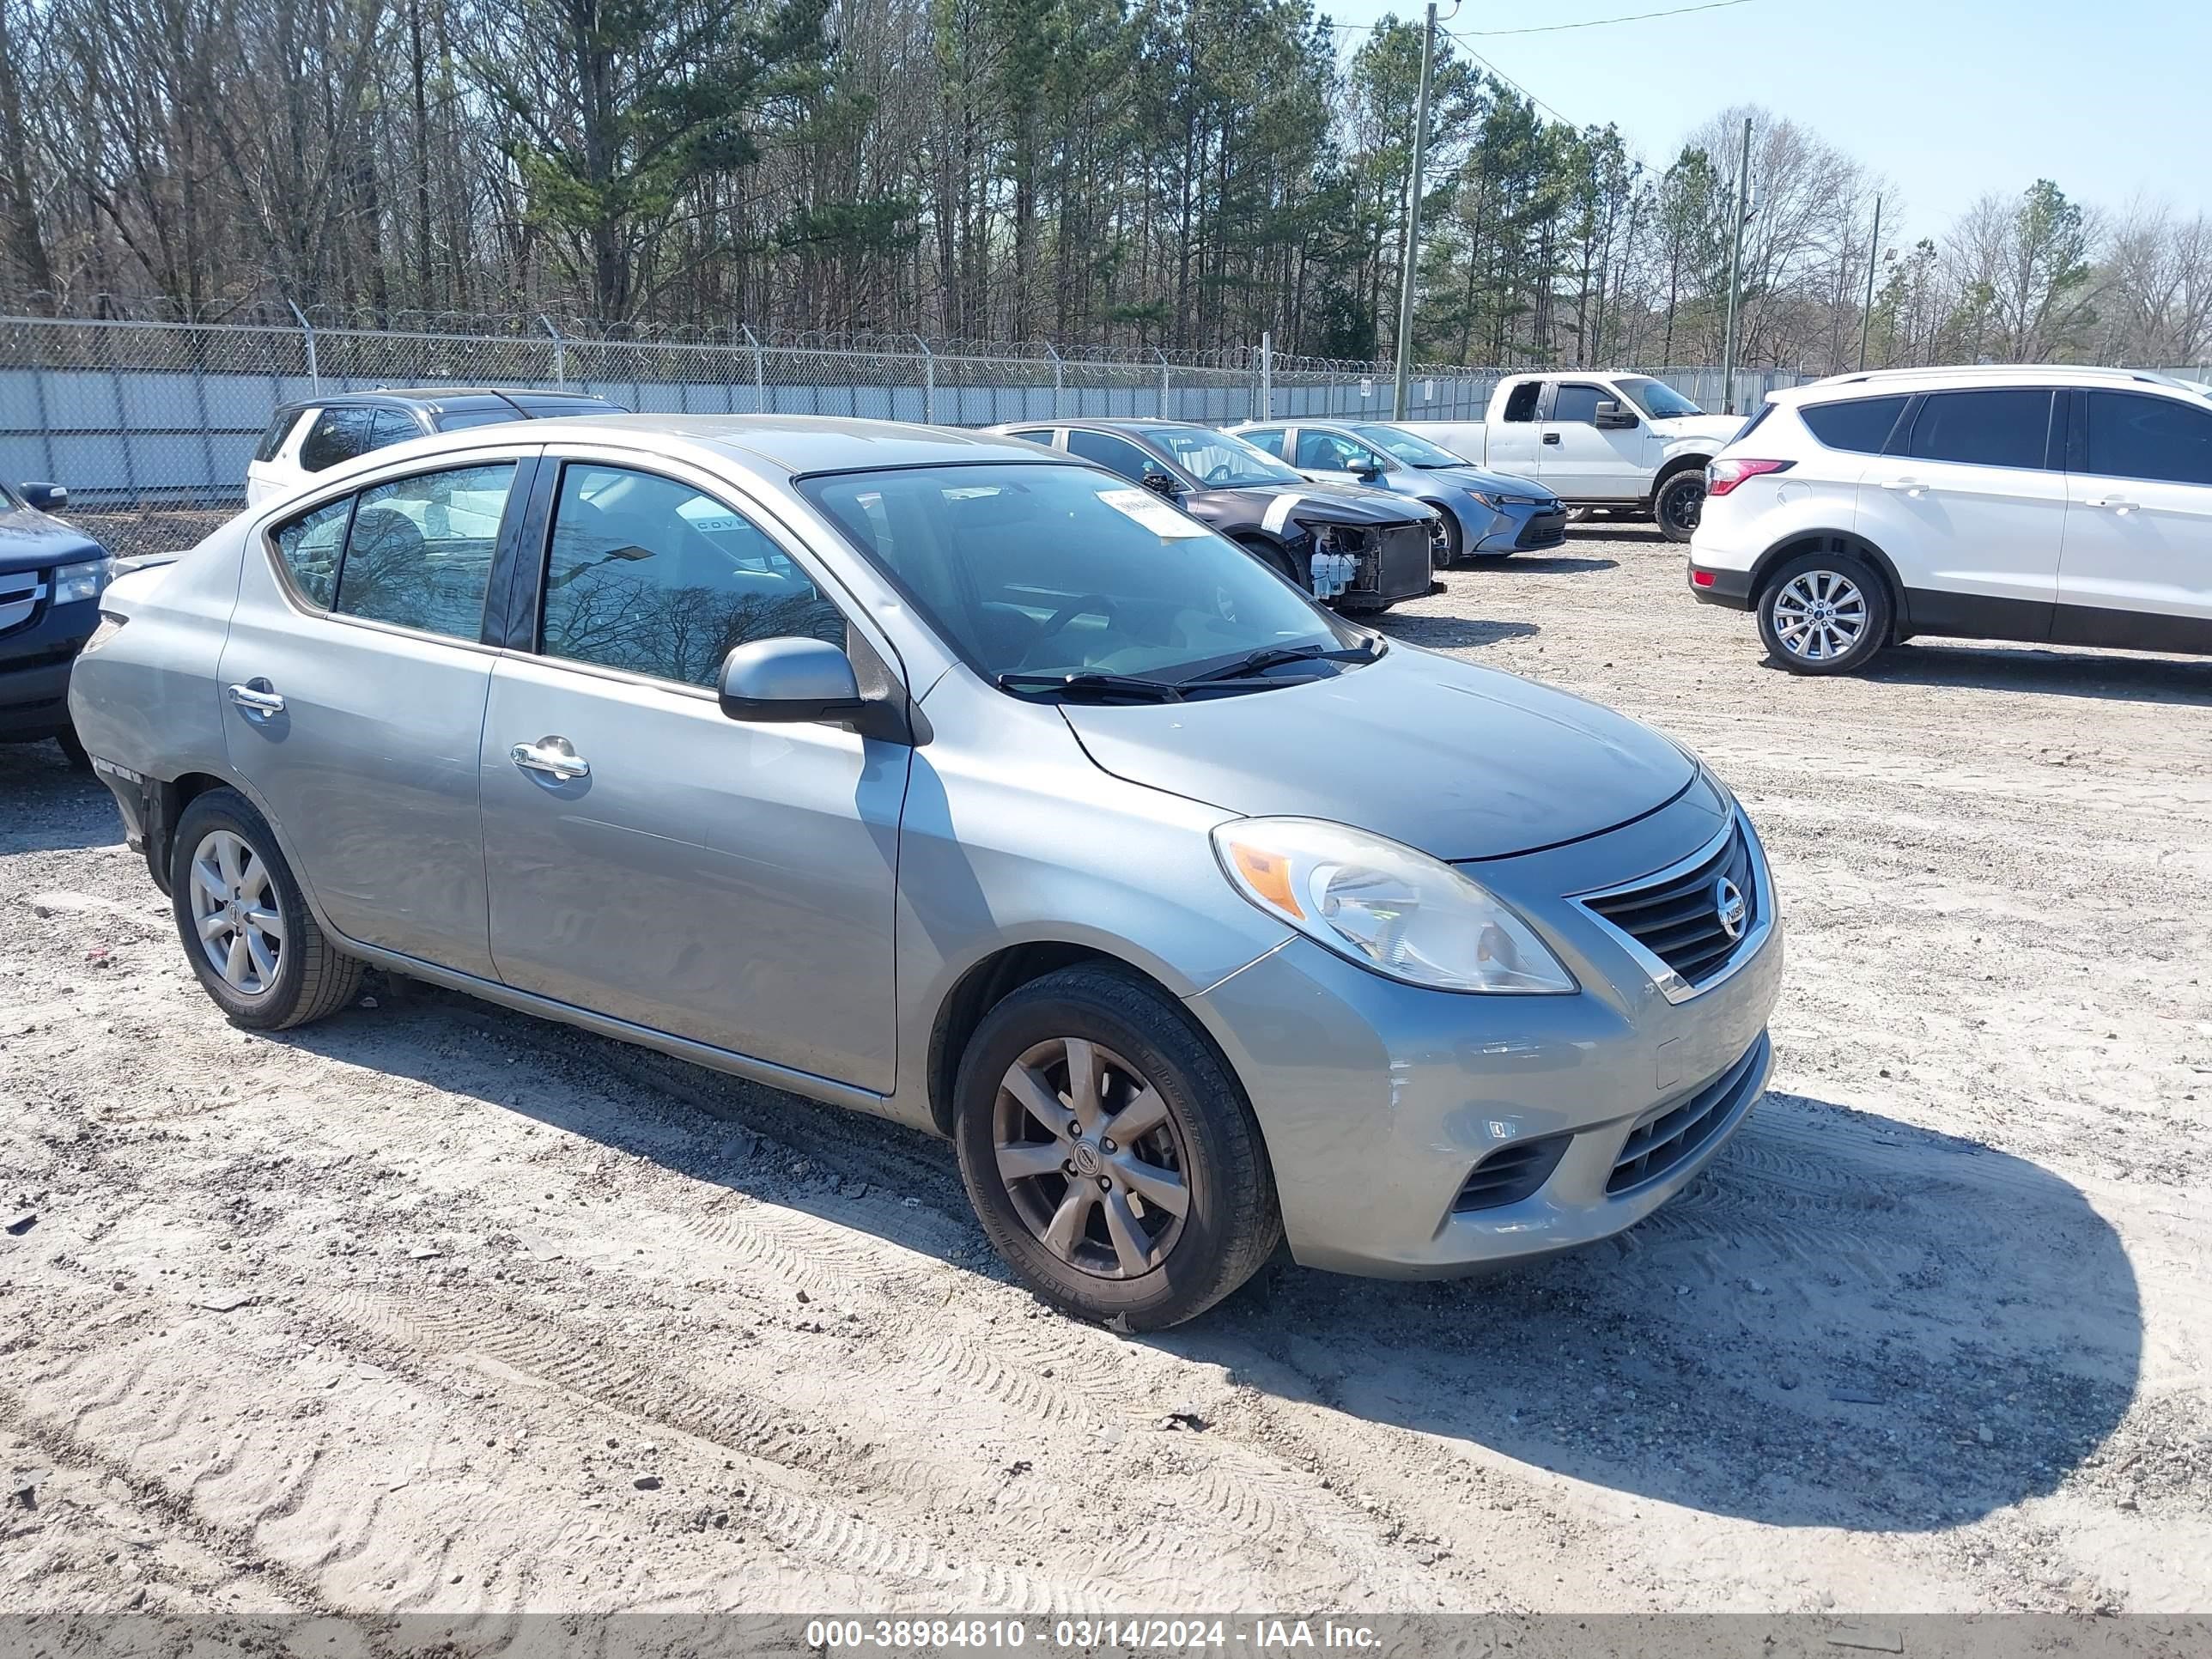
(1909, 486)
(551, 755)
(1551, 437)
(257, 700)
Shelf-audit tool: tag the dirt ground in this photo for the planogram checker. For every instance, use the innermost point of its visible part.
(435, 1307)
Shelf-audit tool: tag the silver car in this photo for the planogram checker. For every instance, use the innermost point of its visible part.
(938, 777)
(1486, 515)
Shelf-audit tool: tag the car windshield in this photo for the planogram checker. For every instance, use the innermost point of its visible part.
(1657, 398)
(1405, 446)
(1218, 460)
(1036, 569)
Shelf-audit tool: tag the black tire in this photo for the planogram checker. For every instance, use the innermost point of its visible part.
(1861, 602)
(312, 977)
(1678, 502)
(1231, 1224)
(1455, 539)
(73, 750)
(1276, 560)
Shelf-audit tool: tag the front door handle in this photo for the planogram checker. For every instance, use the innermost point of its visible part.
(1908, 486)
(2113, 504)
(553, 756)
(1551, 437)
(256, 697)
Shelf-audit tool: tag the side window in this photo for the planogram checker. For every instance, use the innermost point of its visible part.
(1521, 402)
(311, 546)
(460, 420)
(1577, 405)
(1984, 429)
(1269, 438)
(649, 575)
(2159, 439)
(1861, 425)
(1035, 434)
(392, 426)
(419, 553)
(1325, 452)
(280, 427)
(338, 434)
(1116, 454)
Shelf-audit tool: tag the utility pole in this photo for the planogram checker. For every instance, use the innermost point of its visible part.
(1413, 223)
(1736, 272)
(1874, 258)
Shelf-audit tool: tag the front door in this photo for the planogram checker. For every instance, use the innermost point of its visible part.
(1585, 462)
(651, 858)
(2136, 569)
(1332, 457)
(354, 684)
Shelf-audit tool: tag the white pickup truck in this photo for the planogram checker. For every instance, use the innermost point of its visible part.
(1608, 440)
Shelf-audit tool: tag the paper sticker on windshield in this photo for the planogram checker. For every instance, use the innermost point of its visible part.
(1149, 511)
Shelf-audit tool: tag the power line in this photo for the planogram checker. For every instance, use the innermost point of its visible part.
(1603, 22)
(1558, 114)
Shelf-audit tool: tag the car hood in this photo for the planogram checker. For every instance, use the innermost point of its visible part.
(32, 541)
(1496, 483)
(1719, 428)
(1313, 503)
(1461, 762)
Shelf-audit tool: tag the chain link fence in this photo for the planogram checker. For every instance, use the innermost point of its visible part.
(150, 425)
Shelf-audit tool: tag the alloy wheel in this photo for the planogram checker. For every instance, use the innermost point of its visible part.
(1820, 615)
(1092, 1159)
(236, 912)
(1683, 506)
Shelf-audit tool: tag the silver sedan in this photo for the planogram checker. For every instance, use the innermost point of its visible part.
(951, 780)
(1486, 515)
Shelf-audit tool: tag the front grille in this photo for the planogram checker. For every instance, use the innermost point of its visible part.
(1511, 1174)
(1663, 1137)
(1544, 530)
(20, 594)
(1678, 918)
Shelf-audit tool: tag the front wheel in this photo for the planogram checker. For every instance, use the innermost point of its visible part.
(245, 928)
(1112, 1159)
(1825, 613)
(1678, 504)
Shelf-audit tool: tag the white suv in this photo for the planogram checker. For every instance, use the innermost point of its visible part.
(2061, 505)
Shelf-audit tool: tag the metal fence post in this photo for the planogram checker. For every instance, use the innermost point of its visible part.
(1163, 357)
(928, 382)
(559, 353)
(760, 375)
(1267, 375)
(306, 328)
(1058, 378)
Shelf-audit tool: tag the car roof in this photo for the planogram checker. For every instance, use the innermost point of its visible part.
(444, 398)
(802, 444)
(1899, 380)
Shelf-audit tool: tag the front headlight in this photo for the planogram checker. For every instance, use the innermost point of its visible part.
(73, 582)
(1488, 503)
(1386, 907)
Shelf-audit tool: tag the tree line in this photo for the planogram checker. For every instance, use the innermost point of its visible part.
(1184, 174)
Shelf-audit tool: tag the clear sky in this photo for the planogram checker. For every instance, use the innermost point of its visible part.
(1949, 98)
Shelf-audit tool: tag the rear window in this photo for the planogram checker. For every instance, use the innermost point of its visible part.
(338, 434)
(280, 427)
(1862, 425)
(1984, 429)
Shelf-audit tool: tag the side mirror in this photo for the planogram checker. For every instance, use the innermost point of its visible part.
(1369, 473)
(1161, 483)
(789, 680)
(1612, 418)
(45, 497)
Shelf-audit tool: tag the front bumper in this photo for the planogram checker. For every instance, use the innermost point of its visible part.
(1378, 1100)
(1521, 528)
(36, 660)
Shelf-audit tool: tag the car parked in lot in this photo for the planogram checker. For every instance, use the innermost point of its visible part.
(1485, 514)
(52, 575)
(1608, 441)
(960, 782)
(1359, 549)
(2039, 504)
(316, 434)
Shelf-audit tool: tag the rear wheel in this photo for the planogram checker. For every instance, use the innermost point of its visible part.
(1112, 1159)
(1825, 613)
(245, 928)
(1679, 502)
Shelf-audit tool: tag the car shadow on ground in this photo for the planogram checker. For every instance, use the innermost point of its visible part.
(46, 805)
(1537, 564)
(2062, 673)
(1454, 632)
(1846, 1322)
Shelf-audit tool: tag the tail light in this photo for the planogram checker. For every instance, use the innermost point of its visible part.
(1725, 474)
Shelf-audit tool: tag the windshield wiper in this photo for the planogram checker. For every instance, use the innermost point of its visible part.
(1274, 656)
(1091, 682)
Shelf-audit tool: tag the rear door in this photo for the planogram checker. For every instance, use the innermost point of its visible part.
(354, 680)
(2136, 567)
(1970, 504)
(1511, 442)
(1584, 462)
(651, 858)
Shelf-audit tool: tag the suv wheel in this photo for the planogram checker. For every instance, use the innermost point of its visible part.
(245, 928)
(1679, 502)
(1113, 1160)
(1825, 613)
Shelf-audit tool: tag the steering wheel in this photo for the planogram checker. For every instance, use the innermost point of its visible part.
(1090, 605)
(1220, 474)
